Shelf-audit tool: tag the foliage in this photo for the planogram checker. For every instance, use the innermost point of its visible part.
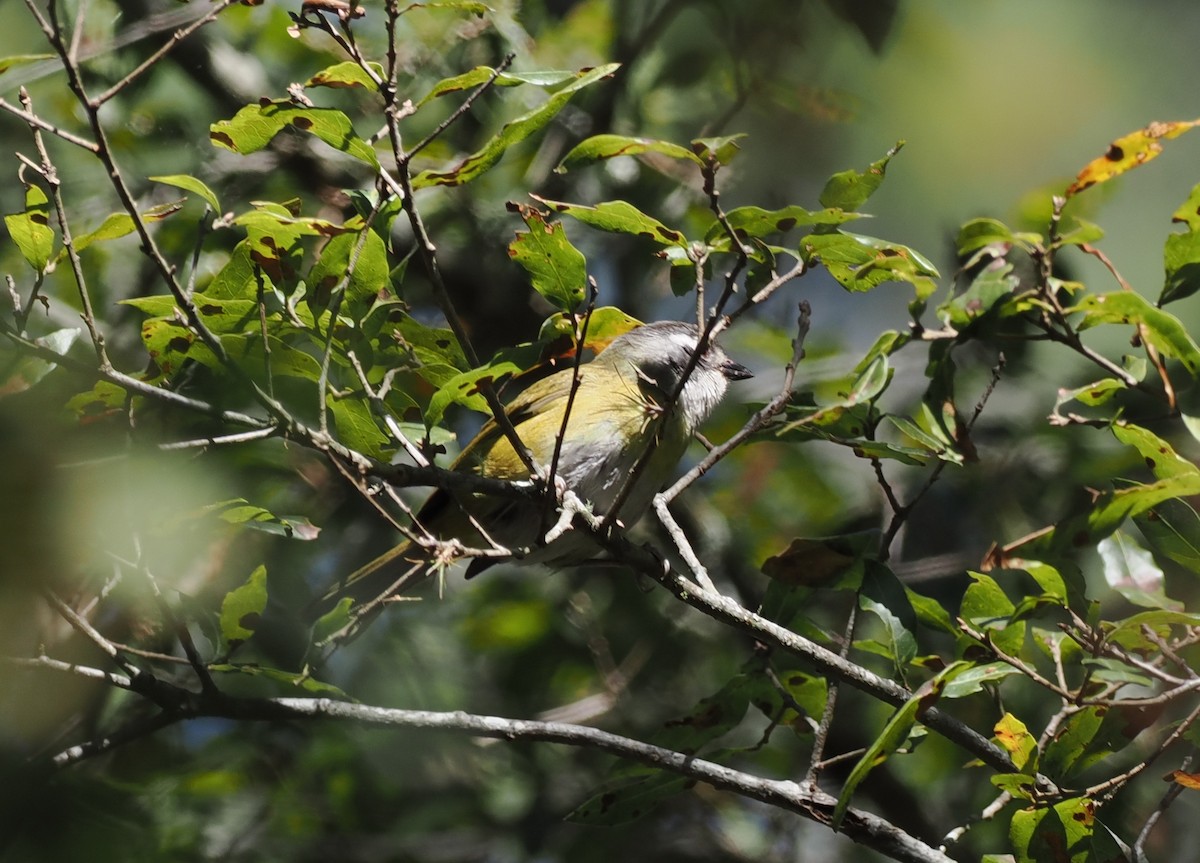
(285, 330)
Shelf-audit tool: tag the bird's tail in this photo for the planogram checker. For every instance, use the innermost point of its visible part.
(377, 580)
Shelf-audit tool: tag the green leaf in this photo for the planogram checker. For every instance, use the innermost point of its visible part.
(884, 596)
(1083, 232)
(368, 279)
(512, 133)
(720, 149)
(1092, 395)
(289, 678)
(548, 80)
(357, 427)
(254, 127)
(986, 607)
(12, 62)
(930, 612)
(557, 270)
(117, 225)
(1090, 734)
(30, 229)
(977, 234)
(191, 184)
(242, 608)
(893, 736)
(463, 389)
(346, 74)
(1131, 571)
(242, 512)
(988, 292)
(619, 217)
(27, 371)
(1059, 834)
(973, 679)
(860, 263)
(1129, 631)
(757, 222)
(1162, 329)
(1189, 211)
(1181, 253)
(928, 436)
(333, 621)
(599, 147)
(1172, 528)
(849, 190)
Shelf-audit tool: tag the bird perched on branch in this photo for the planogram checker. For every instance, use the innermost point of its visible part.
(622, 441)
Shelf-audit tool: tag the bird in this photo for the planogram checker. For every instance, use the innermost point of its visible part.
(620, 415)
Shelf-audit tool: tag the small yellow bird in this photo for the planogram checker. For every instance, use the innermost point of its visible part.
(620, 410)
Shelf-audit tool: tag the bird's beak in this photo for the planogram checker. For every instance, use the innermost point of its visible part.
(736, 371)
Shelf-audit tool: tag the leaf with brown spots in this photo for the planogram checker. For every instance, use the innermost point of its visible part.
(1127, 152)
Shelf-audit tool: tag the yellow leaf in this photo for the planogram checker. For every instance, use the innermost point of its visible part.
(1128, 152)
(1012, 734)
(1187, 780)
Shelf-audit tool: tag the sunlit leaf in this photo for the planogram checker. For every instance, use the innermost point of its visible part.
(242, 608)
(1012, 734)
(191, 184)
(512, 133)
(600, 147)
(1058, 834)
(241, 512)
(482, 74)
(346, 74)
(861, 263)
(1162, 329)
(30, 229)
(619, 217)
(255, 126)
(721, 149)
(1127, 152)
(849, 190)
(15, 60)
(988, 292)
